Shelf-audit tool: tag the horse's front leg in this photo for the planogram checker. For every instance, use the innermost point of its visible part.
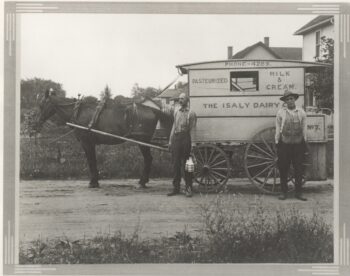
(147, 157)
(90, 153)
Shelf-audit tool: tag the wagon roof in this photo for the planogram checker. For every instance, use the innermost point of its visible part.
(249, 63)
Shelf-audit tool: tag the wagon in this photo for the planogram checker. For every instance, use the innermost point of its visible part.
(236, 102)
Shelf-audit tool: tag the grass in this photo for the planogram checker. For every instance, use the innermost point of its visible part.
(229, 236)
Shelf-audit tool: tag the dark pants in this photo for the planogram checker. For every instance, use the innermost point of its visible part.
(291, 154)
(181, 149)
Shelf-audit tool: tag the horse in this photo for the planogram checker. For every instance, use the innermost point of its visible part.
(134, 121)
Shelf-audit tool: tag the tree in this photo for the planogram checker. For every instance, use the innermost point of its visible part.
(323, 80)
(182, 86)
(106, 93)
(149, 92)
(34, 89)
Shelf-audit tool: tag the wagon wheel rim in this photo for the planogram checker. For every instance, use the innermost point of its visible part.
(260, 163)
(212, 168)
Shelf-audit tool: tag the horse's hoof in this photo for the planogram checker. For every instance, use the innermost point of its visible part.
(94, 186)
(143, 182)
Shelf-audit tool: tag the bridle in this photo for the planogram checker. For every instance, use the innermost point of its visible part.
(55, 107)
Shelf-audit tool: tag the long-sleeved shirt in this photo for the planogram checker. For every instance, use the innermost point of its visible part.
(285, 116)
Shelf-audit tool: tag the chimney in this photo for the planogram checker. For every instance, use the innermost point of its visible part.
(229, 52)
(267, 41)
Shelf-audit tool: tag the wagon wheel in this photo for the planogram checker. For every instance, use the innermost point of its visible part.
(212, 168)
(260, 163)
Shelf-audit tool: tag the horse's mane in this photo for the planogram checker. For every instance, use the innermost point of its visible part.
(61, 100)
(92, 101)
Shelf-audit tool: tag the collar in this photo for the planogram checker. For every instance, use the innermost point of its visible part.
(293, 110)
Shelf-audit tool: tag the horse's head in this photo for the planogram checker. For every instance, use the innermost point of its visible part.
(46, 109)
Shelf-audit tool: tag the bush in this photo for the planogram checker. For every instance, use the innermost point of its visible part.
(230, 236)
(52, 158)
(262, 236)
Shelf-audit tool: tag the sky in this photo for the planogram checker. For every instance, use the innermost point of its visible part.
(86, 52)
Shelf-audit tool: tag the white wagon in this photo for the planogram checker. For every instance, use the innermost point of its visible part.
(236, 102)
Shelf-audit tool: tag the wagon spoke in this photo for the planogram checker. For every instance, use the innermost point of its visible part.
(213, 171)
(260, 164)
(218, 163)
(201, 156)
(196, 173)
(219, 174)
(274, 178)
(262, 171)
(267, 145)
(259, 157)
(267, 176)
(257, 147)
(215, 158)
(205, 155)
(211, 155)
(199, 162)
(215, 179)
(274, 148)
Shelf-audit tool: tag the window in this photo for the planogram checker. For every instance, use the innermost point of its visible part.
(244, 81)
(318, 44)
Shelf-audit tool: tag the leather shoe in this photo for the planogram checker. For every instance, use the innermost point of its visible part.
(282, 197)
(173, 193)
(300, 197)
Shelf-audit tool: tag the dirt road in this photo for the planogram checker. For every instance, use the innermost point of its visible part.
(51, 208)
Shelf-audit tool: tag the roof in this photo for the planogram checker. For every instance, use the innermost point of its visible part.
(170, 93)
(278, 52)
(249, 63)
(244, 52)
(317, 22)
(288, 52)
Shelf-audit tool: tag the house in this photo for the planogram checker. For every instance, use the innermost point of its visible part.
(262, 50)
(169, 96)
(312, 32)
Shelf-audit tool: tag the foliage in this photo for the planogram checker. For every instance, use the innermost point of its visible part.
(327, 50)
(32, 89)
(182, 86)
(231, 236)
(138, 92)
(323, 81)
(50, 157)
(106, 93)
(119, 161)
(261, 236)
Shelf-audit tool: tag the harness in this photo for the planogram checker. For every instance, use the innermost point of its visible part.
(76, 109)
(99, 108)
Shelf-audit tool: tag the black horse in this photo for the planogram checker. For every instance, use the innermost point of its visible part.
(133, 120)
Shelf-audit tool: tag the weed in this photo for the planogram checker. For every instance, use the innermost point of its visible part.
(233, 234)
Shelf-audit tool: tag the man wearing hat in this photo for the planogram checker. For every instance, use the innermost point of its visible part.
(180, 139)
(180, 143)
(290, 139)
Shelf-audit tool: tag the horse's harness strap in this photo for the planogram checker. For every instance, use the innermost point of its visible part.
(76, 110)
(97, 113)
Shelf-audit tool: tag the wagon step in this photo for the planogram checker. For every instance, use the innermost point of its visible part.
(118, 137)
